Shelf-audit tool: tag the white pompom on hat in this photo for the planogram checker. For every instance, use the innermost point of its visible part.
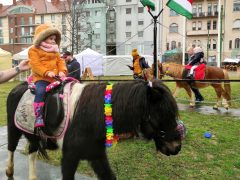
(197, 50)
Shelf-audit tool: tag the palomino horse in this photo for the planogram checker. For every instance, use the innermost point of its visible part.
(148, 109)
(176, 71)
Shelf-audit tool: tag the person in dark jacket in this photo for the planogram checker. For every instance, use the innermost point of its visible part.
(139, 64)
(198, 96)
(73, 65)
(195, 60)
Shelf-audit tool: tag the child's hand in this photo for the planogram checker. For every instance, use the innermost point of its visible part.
(61, 74)
(51, 74)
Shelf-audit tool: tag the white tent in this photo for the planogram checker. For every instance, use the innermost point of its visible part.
(117, 65)
(5, 59)
(92, 59)
(21, 55)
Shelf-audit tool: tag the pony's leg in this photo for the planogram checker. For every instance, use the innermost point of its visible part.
(176, 90)
(69, 165)
(14, 135)
(191, 97)
(102, 168)
(218, 89)
(33, 147)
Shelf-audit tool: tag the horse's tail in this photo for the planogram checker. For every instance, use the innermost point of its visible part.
(42, 149)
(227, 86)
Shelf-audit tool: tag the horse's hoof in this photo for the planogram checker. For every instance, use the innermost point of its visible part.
(226, 107)
(9, 173)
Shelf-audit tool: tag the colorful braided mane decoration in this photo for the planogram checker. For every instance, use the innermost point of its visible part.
(111, 139)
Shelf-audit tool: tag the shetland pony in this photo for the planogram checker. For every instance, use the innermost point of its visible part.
(136, 107)
(211, 72)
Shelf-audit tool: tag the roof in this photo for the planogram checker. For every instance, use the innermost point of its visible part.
(40, 6)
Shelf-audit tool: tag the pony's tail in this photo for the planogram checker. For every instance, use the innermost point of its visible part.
(227, 86)
(42, 150)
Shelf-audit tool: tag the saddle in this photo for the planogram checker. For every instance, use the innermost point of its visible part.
(56, 110)
(199, 72)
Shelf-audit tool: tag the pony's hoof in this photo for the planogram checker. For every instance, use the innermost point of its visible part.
(226, 107)
(215, 107)
(9, 173)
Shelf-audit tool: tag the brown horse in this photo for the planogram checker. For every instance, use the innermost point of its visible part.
(176, 70)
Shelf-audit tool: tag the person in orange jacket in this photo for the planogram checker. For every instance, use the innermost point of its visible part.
(45, 63)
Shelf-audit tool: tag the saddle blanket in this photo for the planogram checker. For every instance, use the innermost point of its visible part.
(199, 71)
(25, 118)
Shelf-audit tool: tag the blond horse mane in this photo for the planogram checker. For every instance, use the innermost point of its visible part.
(172, 69)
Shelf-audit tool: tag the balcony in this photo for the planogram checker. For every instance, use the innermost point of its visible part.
(205, 14)
(202, 33)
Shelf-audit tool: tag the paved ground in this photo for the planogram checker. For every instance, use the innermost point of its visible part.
(45, 171)
(49, 172)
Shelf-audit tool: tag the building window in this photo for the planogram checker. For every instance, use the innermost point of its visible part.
(42, 19)
(11, 30)
(179, 45)
(194, 10)
(22, 31)
(236, 24)
(209, 9)
(214, 25)
(194, 26)
(237, 43)
(140, 33)
(1, 33)
(167, 46)
(87, 13)
(31, 30)
(128, 10)
(1, 41)
(209, 44)
(97, 25)
(230, 44)
(98, 13)
(199, 9)
(53, 18)
(209, 25)
(173, 13)
(173, 28)
(173, 45)
(194, 43)
(0, 22)
(140, 9)
(30, 20)
(214, 46)
(215, 9)
(63, 19)
(128, 23)
(199, 44)
(140, 23)
(140, 48)
(212, 59)
(22, 21)
(236, 5)
(199, 25)
(128, 34)
(128, 0)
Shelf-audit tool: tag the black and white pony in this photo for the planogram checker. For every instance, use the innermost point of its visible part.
(137, 107)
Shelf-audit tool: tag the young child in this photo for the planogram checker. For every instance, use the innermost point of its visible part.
(195, 60)
(45, 62)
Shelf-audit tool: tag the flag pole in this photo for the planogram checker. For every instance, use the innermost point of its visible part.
(184, 40)
(219, 35)
(155, 65)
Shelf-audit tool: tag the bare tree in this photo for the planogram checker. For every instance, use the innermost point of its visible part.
(77, 28)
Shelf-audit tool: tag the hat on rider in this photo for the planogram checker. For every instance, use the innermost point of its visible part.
(197, 50)
(43, 31)
(134, 52)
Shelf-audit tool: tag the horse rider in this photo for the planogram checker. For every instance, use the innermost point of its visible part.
(139, 64)
(195, 60)
(196, 91)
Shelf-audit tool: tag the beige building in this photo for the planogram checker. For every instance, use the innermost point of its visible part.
(202, 29)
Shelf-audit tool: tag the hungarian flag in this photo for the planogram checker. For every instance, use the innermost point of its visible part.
(183, 7)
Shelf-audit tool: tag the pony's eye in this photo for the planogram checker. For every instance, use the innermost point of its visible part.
(162, 134)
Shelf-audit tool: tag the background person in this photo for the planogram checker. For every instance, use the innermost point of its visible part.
(139, 64)
(10, 73)
(45, 63)
(73, 65)
(198, 96)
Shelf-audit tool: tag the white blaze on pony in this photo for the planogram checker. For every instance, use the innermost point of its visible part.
(136, 107)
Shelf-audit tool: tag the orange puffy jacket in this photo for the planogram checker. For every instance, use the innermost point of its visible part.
(42, 62)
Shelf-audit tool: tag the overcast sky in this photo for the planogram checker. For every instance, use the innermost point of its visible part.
(6, 2)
